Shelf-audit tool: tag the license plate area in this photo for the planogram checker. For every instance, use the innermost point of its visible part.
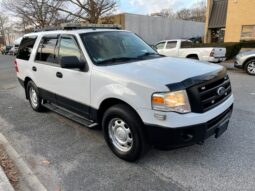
(221, 129)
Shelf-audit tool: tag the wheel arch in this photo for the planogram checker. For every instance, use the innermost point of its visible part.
(247, 60)
(27, 79)
(106, 104)
(193, 55)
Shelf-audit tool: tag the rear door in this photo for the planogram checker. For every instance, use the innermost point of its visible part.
(186, 48)
(45, 67)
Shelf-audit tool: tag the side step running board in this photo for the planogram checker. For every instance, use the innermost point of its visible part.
(70, 115)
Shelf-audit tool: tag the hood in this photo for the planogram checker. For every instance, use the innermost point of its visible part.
(161, 71)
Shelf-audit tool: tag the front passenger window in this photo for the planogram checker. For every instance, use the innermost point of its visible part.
(69, 47)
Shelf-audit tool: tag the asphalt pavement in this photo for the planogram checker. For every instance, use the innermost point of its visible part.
(69, 157)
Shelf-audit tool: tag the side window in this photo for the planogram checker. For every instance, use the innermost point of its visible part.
(68, 47)
(47, 49)
(186, 44)
(26, 47)
(171, 44)
(160, 45)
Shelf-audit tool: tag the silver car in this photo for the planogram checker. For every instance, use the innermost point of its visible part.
(246, 61)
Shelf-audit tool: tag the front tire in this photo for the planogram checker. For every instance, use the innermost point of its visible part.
(250, 67)
(123, 133)
(34, 97)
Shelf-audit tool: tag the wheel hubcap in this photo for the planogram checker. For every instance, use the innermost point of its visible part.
(33, 97)
(120, 135)
(251, 68)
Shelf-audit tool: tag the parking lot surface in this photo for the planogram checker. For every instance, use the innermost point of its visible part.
(67, 156)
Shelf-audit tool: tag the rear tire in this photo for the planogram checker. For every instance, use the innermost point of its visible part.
(250, 67)
(34, 97)
(123, 133)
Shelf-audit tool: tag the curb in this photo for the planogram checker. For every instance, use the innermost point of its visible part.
(27, 175)
(4, 181)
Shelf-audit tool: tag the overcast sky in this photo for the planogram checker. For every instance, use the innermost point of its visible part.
(150, 6)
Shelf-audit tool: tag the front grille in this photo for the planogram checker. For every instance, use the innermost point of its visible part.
(209, 96)
(206, 96)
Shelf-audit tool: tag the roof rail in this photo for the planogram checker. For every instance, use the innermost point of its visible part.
(48, 29)
(76, 26)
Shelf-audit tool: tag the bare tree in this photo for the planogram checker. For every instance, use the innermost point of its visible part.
(184, 14)
(199, 12)
(89, 10)
(36, 13)
(167, 13)
(196, 13)
(3, 22)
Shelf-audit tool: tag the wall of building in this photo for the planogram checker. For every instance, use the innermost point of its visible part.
(240, 12)
(207, 36)
(115, 19)
(155, 29)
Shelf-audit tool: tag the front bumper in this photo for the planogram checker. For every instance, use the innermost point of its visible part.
(238, 63)
(179, 137)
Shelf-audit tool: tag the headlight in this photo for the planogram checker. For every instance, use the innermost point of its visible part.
(171, 101)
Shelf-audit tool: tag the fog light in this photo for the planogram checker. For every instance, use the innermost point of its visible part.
(159, 116)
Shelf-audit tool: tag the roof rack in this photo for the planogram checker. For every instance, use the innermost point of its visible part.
(77, 26)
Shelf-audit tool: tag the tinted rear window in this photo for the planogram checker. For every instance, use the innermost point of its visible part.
(26, 47)
(47, 49)
(186, 44)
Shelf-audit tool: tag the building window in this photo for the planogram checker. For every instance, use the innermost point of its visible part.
(248, 32)
(217, 35)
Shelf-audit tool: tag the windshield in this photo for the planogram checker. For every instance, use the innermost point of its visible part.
(116, 46)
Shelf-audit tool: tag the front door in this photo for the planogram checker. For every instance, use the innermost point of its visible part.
(171, 49)
(72, 85)
(69, 88)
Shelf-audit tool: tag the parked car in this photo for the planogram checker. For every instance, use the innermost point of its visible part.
(11, 51)
(246, 61)
(16, 45)
(185, 49)
(6, 49)
(112, 79)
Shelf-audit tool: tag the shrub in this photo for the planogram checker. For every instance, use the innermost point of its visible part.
(248, 44)
(232, 48)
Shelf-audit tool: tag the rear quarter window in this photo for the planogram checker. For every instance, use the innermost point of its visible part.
(186, 44)
(26, 47)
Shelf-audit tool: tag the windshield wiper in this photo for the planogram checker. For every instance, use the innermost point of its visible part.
(117, 59)
(147, 54)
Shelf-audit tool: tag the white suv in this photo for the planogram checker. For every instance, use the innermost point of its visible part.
(112, 79)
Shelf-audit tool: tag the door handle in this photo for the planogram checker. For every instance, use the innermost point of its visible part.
(59, 75)
(34, 68)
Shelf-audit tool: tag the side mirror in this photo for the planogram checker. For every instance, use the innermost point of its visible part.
(154, 47)
(71, 62)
